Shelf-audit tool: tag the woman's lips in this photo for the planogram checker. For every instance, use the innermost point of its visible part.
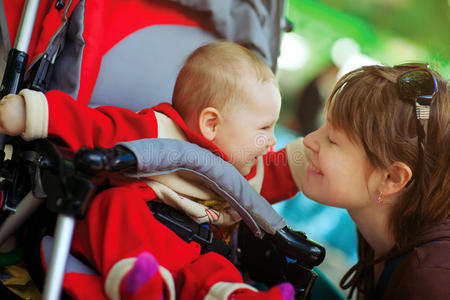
(314, 169)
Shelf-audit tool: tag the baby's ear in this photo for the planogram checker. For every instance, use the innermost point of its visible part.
(208, 122)
(396, 178)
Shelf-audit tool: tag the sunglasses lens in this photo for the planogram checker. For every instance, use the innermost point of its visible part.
(416, 83)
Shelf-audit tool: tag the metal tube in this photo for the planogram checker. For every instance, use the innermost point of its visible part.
(26, 25)
(61, 247)
(25, 208)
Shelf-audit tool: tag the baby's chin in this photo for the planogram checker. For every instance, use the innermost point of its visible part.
(245, 170)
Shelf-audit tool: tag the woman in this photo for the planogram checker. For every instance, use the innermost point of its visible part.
(383, 154)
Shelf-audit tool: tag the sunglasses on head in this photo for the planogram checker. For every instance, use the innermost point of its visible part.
(417, 85)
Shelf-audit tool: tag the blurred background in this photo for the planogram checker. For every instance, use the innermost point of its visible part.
(330, 38)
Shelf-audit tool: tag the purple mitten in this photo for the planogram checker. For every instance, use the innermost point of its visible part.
(287, 291)
(143, 279)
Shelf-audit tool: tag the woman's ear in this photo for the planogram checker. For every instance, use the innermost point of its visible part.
(208, 121)
(395, 178)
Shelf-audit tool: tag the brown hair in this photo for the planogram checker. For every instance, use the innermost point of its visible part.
(212, 76)
(365, 104)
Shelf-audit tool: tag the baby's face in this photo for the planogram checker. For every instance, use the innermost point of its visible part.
(247, 130)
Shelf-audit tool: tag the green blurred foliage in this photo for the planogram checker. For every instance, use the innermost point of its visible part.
(391, 31)
(425, 23)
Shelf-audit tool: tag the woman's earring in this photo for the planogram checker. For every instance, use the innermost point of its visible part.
(379, 199)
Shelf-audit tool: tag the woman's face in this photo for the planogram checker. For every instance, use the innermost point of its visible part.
(339, 173)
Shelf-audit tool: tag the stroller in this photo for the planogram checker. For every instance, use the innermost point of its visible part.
(67, 184)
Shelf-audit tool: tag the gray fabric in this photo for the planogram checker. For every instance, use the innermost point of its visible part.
(67, 68)
(153, 55)
(164, 156)
(5, 44)
(73, 265)
(255, 24)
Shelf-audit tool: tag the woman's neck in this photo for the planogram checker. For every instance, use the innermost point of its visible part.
(372, 223)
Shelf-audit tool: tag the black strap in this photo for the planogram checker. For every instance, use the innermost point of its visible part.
(387, 273)
(187, 229)
(389, 269)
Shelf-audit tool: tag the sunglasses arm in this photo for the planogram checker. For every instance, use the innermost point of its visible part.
(422, 111)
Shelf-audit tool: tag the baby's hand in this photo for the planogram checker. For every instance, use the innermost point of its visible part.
(12, 115)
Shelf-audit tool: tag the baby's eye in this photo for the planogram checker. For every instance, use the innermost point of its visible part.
(330, 140)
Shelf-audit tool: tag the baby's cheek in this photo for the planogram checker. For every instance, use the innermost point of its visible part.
(260, 141)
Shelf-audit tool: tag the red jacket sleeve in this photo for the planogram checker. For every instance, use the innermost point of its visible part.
(73, 125)
(278, 183)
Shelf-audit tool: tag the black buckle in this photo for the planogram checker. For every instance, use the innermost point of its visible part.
(60, 4)
(41, 74)
(181, 224)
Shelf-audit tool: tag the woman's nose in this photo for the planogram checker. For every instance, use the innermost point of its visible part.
(311, 142)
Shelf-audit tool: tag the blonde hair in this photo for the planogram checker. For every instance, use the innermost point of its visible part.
(365, 104)
(212, 77)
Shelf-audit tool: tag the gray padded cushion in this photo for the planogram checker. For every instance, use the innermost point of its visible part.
(164, 156)
(252, 23)
(154, 55)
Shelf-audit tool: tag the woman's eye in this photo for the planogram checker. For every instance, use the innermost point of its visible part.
(330, 140)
